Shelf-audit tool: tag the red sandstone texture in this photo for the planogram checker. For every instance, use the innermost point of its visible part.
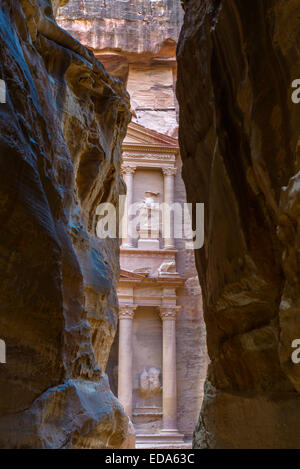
(239, 138)
(136, 42)
(133, 26)
(61, 131)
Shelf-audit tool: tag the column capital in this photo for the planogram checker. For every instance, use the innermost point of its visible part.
(127, 311)
(170, 171)
(128, 169)
(169, 312)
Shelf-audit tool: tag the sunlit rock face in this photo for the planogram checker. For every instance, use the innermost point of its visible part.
(137, 26)
(136, 42)
(60, 135)
(239, 137)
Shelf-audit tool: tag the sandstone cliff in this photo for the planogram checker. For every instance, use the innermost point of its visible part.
(135, 26)
(60, 135)
(239, 136)
(136, 42)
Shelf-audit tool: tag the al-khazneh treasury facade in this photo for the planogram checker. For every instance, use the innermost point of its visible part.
(160, 325)
(158, 361)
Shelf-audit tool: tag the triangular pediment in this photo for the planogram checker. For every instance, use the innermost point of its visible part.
(139, 135)
(132, 275)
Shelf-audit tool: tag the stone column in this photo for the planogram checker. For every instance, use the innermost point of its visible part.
(126, 314)
(168, 217)
(128, 172)
(168, 316)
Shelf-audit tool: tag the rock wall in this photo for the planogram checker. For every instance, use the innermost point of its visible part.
(239, 137)
(135, 26)
(136, 41)
(61, 131)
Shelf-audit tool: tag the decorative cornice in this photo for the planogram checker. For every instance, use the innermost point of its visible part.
(142, 155)
(127, 311)
(171, 171)
(153, 282)
(169, 312)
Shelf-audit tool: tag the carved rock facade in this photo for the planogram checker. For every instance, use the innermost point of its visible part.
(60, 150)
(239, 137)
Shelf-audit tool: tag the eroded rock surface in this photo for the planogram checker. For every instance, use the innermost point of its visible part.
(60, 135)
(136, 41)
(239, 136)
(139, 26)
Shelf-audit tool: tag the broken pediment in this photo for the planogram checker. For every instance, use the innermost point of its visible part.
(139, 135)
(133, 275)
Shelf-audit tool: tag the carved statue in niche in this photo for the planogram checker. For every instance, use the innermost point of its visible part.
(150, 382)
(149, 215)
(144, 382)
(154, 382)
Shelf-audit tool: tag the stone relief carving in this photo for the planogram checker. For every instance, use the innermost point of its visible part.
(150, 382)
(154, 382)
(149, 156)
(126, 311)
(150, 199)
(144, 382)
(128, 169)
(169, 312)
(167, 267)
(149, 215)
(171, 171)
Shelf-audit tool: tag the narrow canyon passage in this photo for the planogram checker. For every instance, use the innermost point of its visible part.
(161, 325)
(130, 107)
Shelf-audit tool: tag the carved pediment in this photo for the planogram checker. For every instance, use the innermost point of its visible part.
(133, 275)
(141, 136)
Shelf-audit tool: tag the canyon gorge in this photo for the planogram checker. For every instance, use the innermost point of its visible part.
(89, 101)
